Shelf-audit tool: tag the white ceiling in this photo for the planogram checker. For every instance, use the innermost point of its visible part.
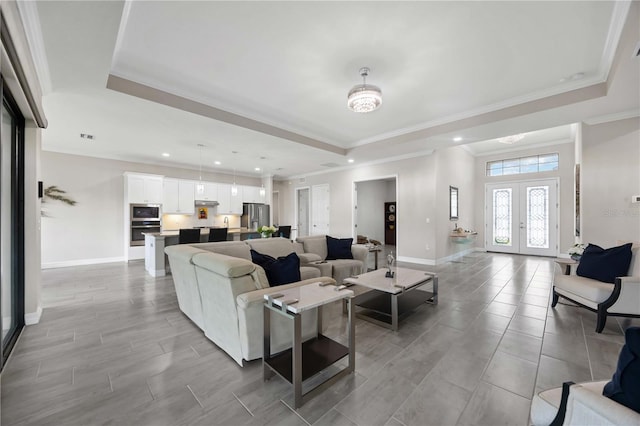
(269, 79)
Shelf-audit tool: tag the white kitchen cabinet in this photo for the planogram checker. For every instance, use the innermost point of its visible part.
(251, 194)
(210, 192)
(178, 197)
(142, 189)
(229, 204)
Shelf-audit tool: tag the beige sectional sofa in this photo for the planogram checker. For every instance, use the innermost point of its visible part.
(221, 290)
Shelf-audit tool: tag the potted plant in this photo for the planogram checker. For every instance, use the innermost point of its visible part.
(576, 251)
(266, 231)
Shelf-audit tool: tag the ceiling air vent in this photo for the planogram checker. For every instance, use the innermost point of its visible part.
(330, 165)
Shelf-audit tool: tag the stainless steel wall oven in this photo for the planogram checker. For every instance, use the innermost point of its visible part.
(144, 218)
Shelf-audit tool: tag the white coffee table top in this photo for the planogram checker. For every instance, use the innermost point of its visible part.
(403, 279)
(308, 296)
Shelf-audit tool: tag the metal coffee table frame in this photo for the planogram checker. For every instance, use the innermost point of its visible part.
(305, 360)
(387, 307)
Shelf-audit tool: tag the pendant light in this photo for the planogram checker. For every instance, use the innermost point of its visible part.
(200, 185)
(234, 187)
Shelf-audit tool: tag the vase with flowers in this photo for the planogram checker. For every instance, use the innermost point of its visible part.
(266, 231)
(576, 251)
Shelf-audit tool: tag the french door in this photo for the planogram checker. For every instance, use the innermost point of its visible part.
(522, 217)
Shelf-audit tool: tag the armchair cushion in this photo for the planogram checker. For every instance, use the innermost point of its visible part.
(339, 248)
(283, 270)
(624, 386)
(605, 265)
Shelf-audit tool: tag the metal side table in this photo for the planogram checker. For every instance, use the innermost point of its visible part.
(305, 360)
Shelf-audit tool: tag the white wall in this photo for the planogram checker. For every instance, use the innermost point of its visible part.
(416, 200)
(454, 167)
(92, 230)
(610, 176)
(371, 198)
(565, 174)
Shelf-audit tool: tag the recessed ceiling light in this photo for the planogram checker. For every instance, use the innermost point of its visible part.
(166, 154)
(457, 139)
(217, 163)
(350, 160)
(257, 169)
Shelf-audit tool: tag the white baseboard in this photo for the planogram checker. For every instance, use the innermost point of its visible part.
(33, 317)
(81, 262)
(417, 260)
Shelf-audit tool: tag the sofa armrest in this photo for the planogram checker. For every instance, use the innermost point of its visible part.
(625, 296)
(245, 300)
(360, 252)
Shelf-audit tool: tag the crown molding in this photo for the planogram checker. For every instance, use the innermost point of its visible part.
(623, 115)
(360, 165)
(28, 11)
(618, 19)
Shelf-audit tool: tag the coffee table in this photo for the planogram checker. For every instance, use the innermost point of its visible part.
(393, 298)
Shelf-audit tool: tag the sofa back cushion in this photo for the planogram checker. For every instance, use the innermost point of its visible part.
(228, 248)
(283, 270)
(274, 247)
(315, 244)
(605, 265)
(339, 248)
(227, 266)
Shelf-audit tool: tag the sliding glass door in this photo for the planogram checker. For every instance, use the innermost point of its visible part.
(11, 223)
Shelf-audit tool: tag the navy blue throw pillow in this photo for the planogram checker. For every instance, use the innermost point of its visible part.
(283, 270)
(624, 387)
(605, 265)
(339, 248)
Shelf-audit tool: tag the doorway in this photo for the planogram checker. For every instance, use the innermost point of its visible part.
(302, 211)
(372, 215)
(522, 217)
(320, 205)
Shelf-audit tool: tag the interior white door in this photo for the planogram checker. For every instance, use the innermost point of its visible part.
(320, 209)
(522, 217)
(302, 212)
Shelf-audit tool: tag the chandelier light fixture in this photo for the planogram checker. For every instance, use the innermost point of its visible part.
(364, 97)
(511, 139)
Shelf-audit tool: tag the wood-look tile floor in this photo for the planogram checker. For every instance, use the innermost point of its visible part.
(112, 347)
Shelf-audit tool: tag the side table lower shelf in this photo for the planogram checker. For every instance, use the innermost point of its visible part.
(318, 354)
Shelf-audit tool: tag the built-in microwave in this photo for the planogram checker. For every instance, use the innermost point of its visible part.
(145, 212)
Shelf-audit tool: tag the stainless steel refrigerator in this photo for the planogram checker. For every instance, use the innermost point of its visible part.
(254, 216)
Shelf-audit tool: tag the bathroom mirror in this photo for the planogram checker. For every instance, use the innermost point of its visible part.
(453, 203)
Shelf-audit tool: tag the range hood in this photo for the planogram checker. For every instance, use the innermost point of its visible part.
(206, 203)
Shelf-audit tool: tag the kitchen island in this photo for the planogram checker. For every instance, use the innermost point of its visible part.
(155, 261)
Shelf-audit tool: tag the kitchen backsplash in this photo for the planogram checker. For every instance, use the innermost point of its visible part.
(173, 222)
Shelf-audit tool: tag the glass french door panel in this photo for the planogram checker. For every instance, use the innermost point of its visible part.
(6, 267)
(502, 217)
(537, 211)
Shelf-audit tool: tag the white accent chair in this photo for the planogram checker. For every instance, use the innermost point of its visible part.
(619, 299)
(579, 404)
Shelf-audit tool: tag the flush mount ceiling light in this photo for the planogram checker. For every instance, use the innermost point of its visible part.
(511, 139)
(364, 97)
